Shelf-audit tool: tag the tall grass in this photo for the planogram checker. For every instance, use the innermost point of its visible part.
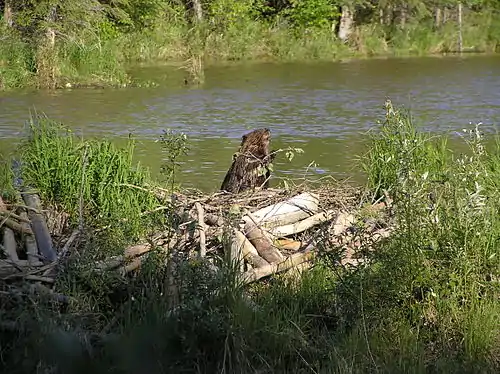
(92, 175)
(436, 273)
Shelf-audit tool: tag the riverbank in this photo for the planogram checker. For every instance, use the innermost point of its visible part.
(107, 61)
(426, 297)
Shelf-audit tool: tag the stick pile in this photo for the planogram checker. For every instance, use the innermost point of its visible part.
(266, 231)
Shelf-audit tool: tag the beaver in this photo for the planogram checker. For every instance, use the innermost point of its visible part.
(250, 167)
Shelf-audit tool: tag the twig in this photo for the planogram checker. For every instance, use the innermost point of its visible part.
(16, 226)
(10, 214)
(39, 279)
(69, 242)
(201, 230)
(30, 242)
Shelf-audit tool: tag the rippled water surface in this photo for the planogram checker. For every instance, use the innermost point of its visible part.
(324, 108)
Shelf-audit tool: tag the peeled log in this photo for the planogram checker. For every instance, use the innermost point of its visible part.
(292, 261)
(248, 250)
(40, 229)
(262, 243)
(300, 226)
(289, 211)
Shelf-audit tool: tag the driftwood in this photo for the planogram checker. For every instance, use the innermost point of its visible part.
(39, 227)
(9, 244)
(289, 211)
(292, 261)
(303, 225)
(248, 250)
(271, 231)
(261, 241)
(262, 236)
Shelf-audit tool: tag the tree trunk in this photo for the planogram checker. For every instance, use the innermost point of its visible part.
(460, 43)
(7, 13)
(403, 15)
(437, 17)
(50, 33)
(446, 15)
(198, 10)
(388, 15)
(346, 23)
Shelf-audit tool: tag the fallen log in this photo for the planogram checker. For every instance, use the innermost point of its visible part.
(286, 212)
(303, 225)
(262, 243)
(39, 227)
(292, 261)
(248, 250)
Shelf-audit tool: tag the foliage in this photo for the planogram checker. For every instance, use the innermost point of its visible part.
(95, 40)
(312, 13)
(174, 146)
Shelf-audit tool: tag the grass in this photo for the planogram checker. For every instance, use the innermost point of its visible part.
(428, 302)
(90, 179)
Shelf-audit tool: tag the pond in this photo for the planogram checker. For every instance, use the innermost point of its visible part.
(324, 108)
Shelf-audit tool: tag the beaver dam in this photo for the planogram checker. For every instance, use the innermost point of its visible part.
(262, 230)
(104, 266)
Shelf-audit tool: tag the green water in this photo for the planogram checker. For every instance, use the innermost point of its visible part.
(323, 108)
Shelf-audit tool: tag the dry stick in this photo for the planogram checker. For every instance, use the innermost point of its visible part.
(15, 226)
(9, 240)
(10, 214)
(9, 244)
(201, 230)
(30, 242)
(303, 225)
(292, 261)
(22, 206)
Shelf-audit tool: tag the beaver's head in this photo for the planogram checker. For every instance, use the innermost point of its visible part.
(257, 135)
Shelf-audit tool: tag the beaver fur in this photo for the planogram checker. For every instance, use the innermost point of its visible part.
(245, 172)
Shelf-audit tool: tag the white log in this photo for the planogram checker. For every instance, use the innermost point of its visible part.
(289, 211)
(292, 261)
(300, 226)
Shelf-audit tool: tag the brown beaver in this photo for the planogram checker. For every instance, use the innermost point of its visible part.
(250, 167)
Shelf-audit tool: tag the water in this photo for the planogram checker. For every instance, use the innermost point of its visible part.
(323, 108)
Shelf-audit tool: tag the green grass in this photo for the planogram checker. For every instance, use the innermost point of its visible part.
(428, 302)
(92, 177)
